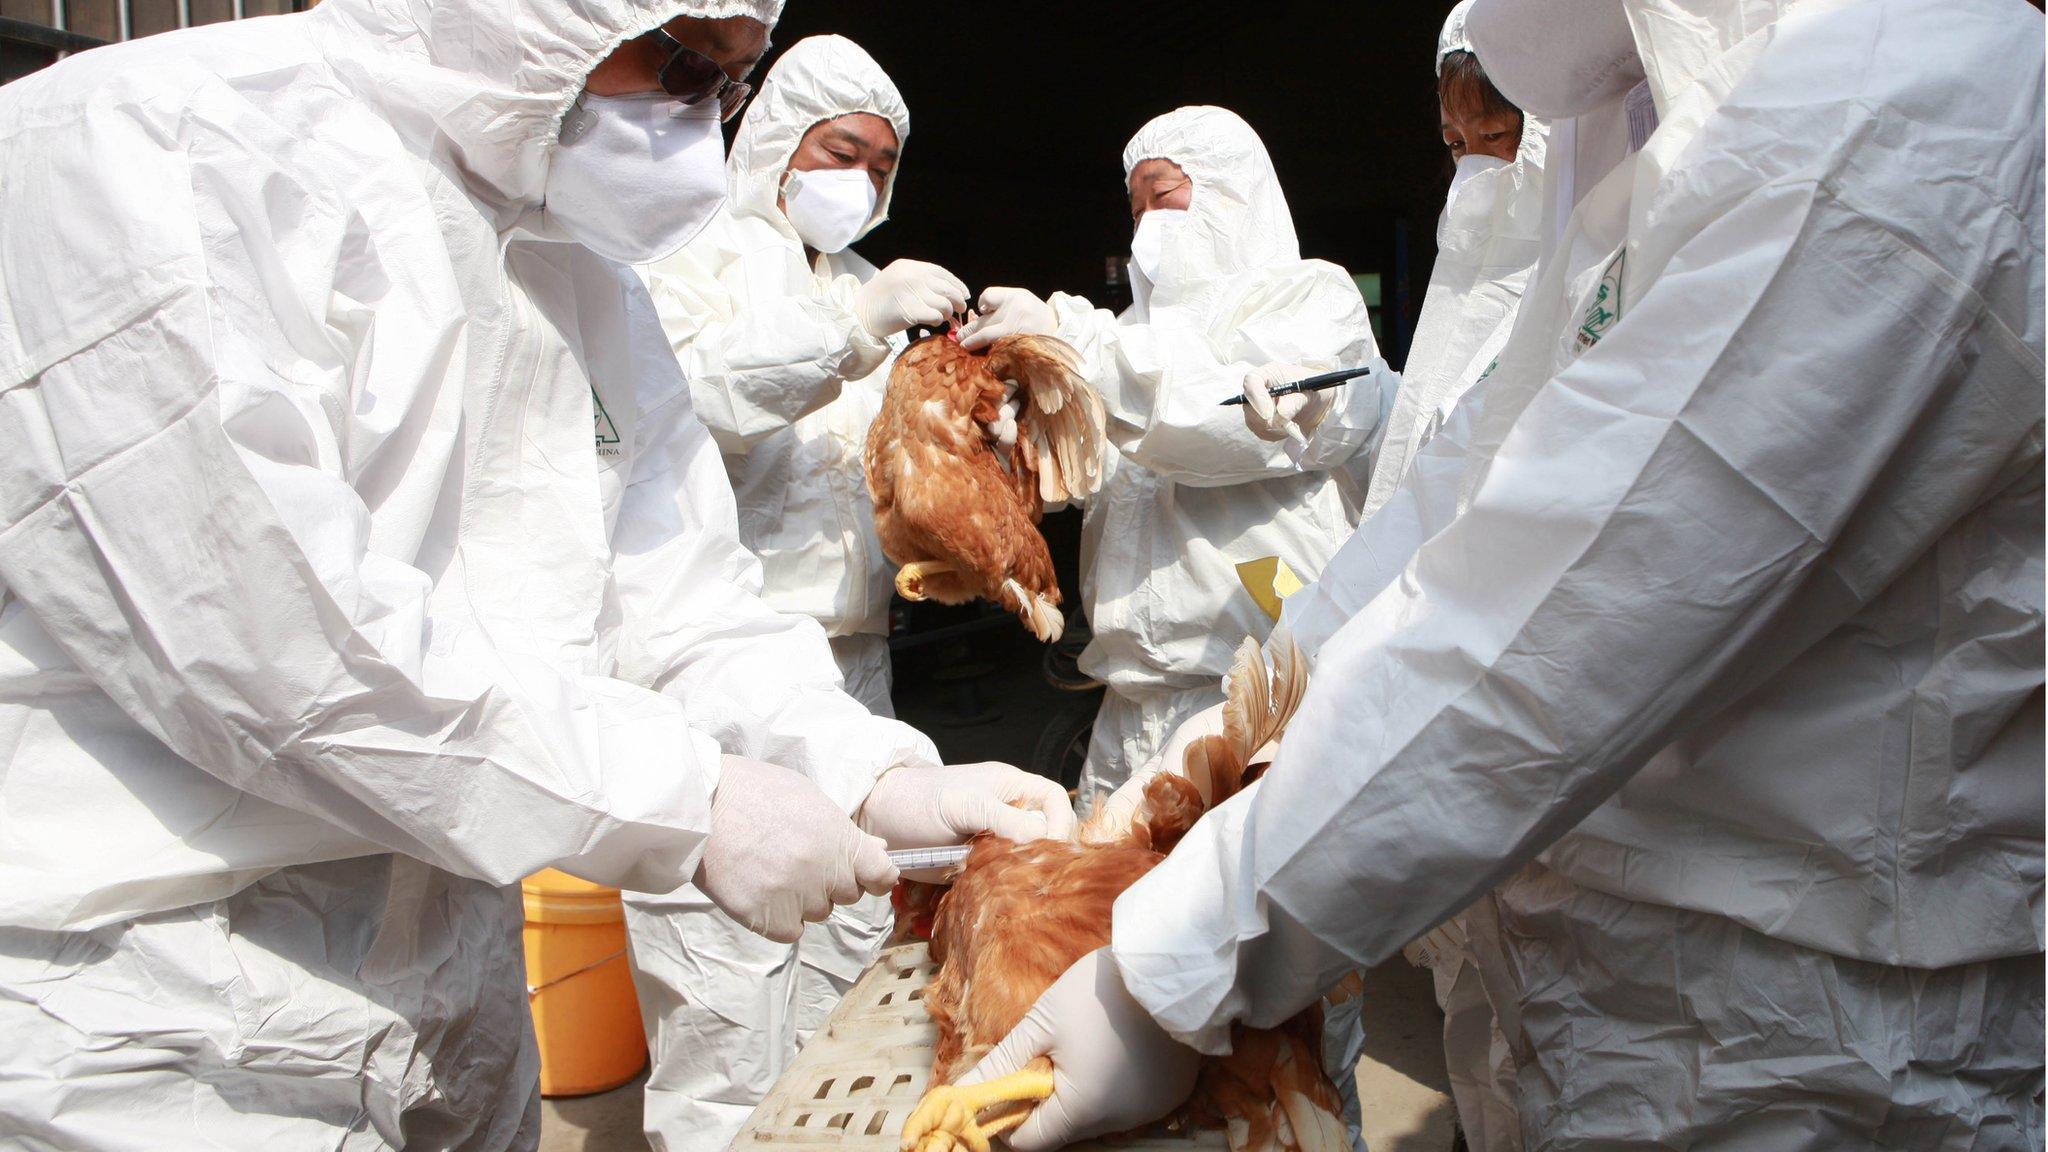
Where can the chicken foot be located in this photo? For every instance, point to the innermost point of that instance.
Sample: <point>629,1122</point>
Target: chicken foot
<point>911,577</point>
<point>948,1118</point>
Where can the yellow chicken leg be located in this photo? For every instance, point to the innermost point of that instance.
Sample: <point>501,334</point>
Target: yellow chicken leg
<point>911,577</point>
<point>948,1118</point>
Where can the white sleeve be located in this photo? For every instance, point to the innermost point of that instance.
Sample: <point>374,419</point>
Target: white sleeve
<point>761,339</point>
<point>1164,387</point>
<point>176,512</point>
<point>1697,499</point>
<point>761,683</point>
<point>1383,543</point>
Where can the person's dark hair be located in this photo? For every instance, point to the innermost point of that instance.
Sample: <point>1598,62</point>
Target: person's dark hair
<point>1463,87</point>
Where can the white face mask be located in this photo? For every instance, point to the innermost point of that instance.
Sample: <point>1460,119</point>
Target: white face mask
<point>1148,243</point>
<point>1468,167</point>
<point>828,207</point>
<point>635,177</point>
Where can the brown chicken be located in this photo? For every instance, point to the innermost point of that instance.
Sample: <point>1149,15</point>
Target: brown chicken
<point>967,450</point>
<point>1018,915</point>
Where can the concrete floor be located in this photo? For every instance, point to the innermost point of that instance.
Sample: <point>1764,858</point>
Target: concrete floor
<point>1401,1084</point>
<point>998,713</point>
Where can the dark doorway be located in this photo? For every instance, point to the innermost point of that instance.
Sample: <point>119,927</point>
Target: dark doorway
<point>1019,115</point>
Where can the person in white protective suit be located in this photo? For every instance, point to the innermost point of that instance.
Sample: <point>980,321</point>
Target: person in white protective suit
<point>1487,241</point>
<point>324,614</point>
<point>1723,651</point>
<point>1221,290</point>
<point>1488,238</point>
<point>784,332</point>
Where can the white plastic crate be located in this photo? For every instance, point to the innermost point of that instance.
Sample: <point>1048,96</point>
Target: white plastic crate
<point>861,1075</point>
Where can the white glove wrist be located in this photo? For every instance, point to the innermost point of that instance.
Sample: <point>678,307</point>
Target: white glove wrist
<point>781,854</point>
<point>927,806</point>
<point>1114,1068</point>
<point>907,293</point>
<point>1007,312</point>
<point>1275,418</point>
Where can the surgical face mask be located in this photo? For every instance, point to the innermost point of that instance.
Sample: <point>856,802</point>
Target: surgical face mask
<point>1468,167</point>
<point>828,207</point>
<point>635,177</point>
<point>1148,243</point>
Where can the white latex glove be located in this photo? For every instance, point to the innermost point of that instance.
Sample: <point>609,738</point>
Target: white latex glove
<point>1007,312</point>
<point>908,292</point>
<point>781,852</point>
<point>1288,417</point>
<point>1113,1068</point>
<point>1113,818</point>
<point>931,807</point>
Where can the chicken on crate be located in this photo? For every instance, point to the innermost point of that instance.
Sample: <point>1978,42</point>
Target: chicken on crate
<point>967,451</point>
<point>1017,915</point>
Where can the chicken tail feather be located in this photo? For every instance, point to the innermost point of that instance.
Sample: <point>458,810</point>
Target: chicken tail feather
<point>1039,612</point>
<point>1261,699</point>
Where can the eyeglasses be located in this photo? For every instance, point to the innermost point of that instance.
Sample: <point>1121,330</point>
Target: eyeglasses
<point>692,77</point>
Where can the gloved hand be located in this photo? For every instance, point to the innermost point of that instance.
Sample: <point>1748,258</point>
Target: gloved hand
<point>1007,312</point>
<point>929,807</point>
<point>781,852</point>
<point>908,292</point>
<point>1113,1068</point>
<point>1114,817</point>
<point>1275,419</point>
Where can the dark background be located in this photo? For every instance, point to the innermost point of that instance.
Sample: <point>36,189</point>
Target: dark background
<point>1019,114</point>
<point>1013,172</point>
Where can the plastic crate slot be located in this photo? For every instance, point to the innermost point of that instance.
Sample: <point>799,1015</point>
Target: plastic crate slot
<point>851,1087</point>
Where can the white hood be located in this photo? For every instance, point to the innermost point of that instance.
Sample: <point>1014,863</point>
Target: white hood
<point>482,87</point>
<point>1555,58</point>
<point>1452,38</point>
<point>1238,220</point>
<point>1564,57</point>
<point>1678,40</point>
<point>819,78</point>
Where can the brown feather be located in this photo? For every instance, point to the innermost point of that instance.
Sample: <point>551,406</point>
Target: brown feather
<point>945,492</point>
<point>1018,915</point>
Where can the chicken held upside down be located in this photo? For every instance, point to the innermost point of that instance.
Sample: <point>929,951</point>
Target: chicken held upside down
<point>967,450</point>
<point>1018,915</point>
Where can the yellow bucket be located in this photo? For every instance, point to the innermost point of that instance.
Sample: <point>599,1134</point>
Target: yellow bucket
<point>585,1015</point>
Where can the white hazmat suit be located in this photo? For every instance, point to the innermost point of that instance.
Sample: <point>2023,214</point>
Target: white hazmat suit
<point>1191,493</point>
<point>787,379</point>
<point>324,616</point>
<point>1728,658</point>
